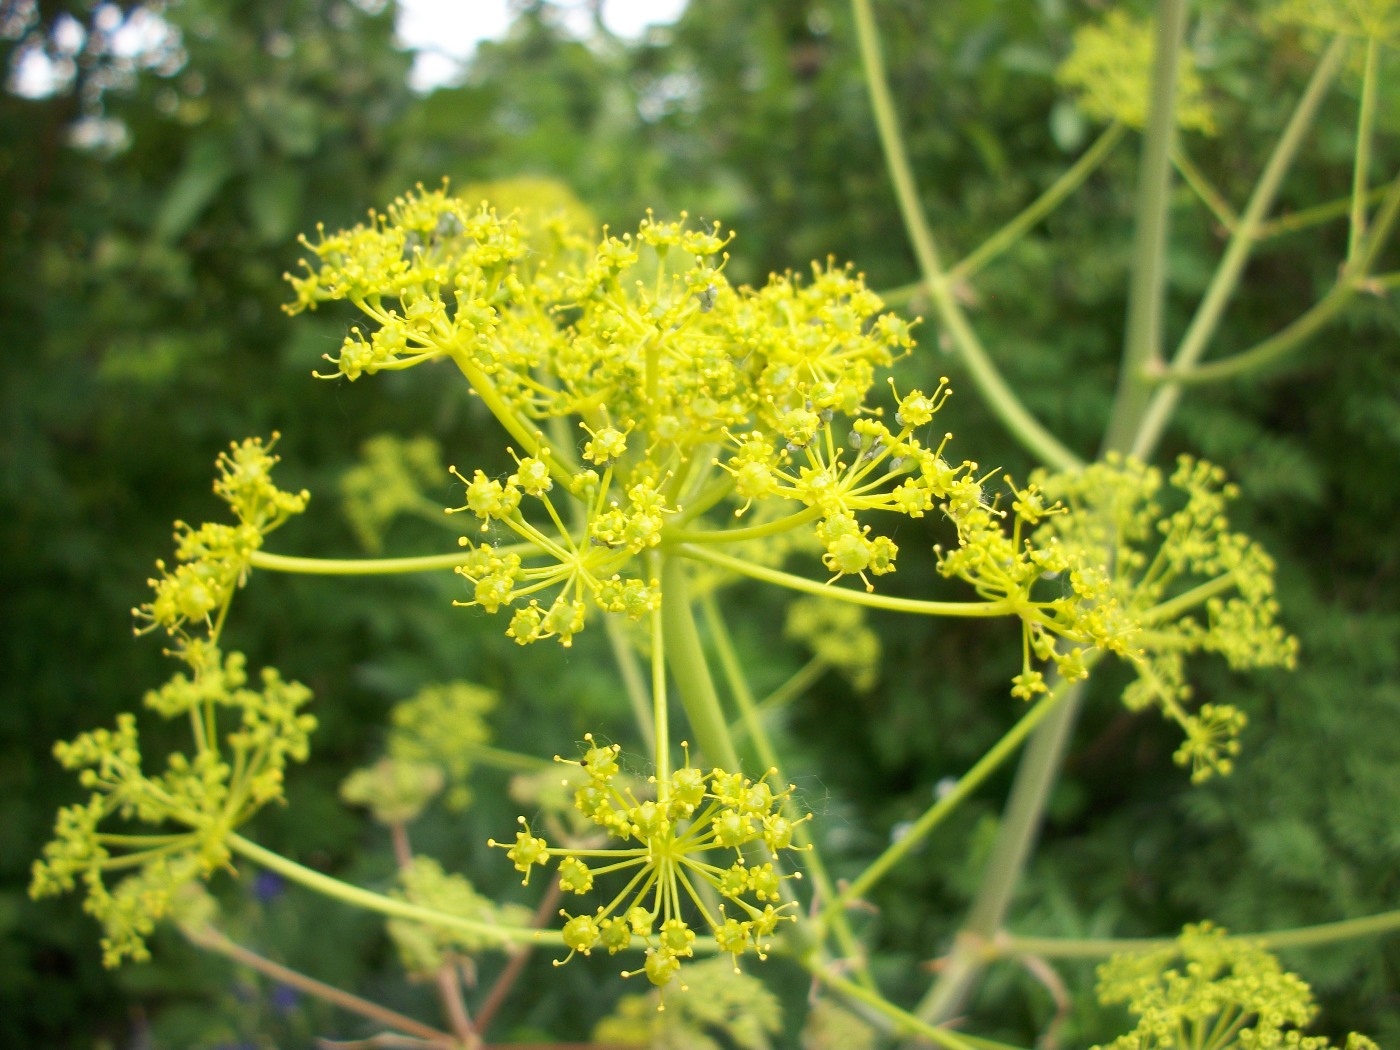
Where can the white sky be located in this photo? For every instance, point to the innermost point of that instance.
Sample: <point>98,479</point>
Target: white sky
<point>445,32</point>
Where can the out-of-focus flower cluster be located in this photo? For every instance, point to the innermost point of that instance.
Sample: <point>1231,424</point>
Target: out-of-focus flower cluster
<point>1209,991</point>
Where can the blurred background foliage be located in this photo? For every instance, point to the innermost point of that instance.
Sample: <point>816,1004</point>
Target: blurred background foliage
<point>149,207</point>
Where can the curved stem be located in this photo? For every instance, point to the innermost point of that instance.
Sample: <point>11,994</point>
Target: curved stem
<point>904,1023</point>
<point>843,594</point>
<point>998,395</point>
<point>752,532</point>
<point>1210,196</point>
<point>378,902</point>
<point>1042,206</point>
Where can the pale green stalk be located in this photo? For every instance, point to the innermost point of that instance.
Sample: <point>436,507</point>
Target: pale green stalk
<point>1040,765</point>
<point>1354,279</point>
<point>1142,422</point>
<point>999,397</point>
<point>1314,215</point>
<point>1006,607</point>
<point>802,679</point>
<point>367,566</point>
<point>1142,343</point>
<point>688,666</point>
<point>1365,132</point>
<point>988,764</point>
<point>378,902</point>
<point>627,666</point>
<point>660,707</point>
<point>1381,925</point>
<point>1062,187</point>
<point>1210,196</point>
<point>903,1022</point>
<point>768,756</point>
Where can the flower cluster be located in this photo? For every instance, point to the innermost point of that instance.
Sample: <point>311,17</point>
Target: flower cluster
<point>641,390</point>
<point>1110,71</point>
<point>1212,992</point>
<point>1167,550</point>
<point>192,807</point>
<point>212,560</point>
<point>696,839</point>
<point>198,801</point>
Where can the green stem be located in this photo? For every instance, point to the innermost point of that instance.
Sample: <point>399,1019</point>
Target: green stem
<point>1354,279</point>
<point>851,948</point>
<point>627,666</point>
<point>1164,612</point>
<point>1010,852</point>
<point>905,1023</point>
<point>966,785</point>
<point>1380,925</point>
<point>378,902</point>
<point>670,534</point>
<point>1365,131</point>
<point>998,395</point>
<point>1143,430</point>
<point>499,758</point>
<point>1142,344</point>
<point>660,708</point>
<point>364,566</point>
<point>1212,198</point>
<point>1314,215</point>
<point>1042,206</point>
<point>984,610</point>
<point>210,939</point>
<point>688,666</point>
<point>799,683</point>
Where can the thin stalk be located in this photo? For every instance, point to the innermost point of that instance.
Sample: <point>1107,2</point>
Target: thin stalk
<point>802,679</point>
<point>1142,344</point>
<point>1153,414</point>
<point>364,566</point>
<point>1381,925</point>
<point>984,610</point>
<point>378,902</point>
<point>210,939</point>
<point>660,711</point>
<point>768,755</point>
<point>671,534</point>
<point>904,1023</point>
<point>1365,132</point>
<point>1210,196</point>
<point>988,764</point>
<point>633,682</point>
<point>688,665</point>
<point>1296,334</point>
<point>1314,215</point>
<point>998,395</point>
<point>1016,837</point>
<point>1042,206</point>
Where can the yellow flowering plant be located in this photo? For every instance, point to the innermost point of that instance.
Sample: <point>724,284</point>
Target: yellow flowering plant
<point>671,433</point>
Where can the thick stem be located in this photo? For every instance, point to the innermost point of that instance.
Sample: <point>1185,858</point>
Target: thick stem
<point>1365,131</point>
<point>689,668</point>
<point>1142,345</point>
<point>1016,836</point>
<point>1153,414</point>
